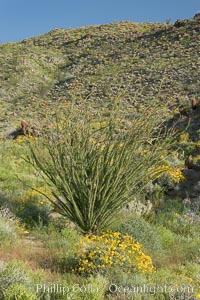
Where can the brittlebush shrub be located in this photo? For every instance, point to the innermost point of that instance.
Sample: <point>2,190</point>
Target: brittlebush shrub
<point>101,253</point>
<point>169,174</point>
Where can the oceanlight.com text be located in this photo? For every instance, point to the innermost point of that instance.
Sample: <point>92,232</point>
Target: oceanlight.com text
<point>150,289</point>
<point>114,289</point>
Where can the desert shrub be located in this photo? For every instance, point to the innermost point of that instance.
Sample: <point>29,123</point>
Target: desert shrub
<point>124,279</point>
<point>184,284</point>
<point>70,235</point>
<point>168,238</point>
<point>95,167</point>
<point>3,199</point>
<point>143,232</point>
<point>15,179</point>
<point>163,283</point>
<point>173,217</point>
<point>166,212</point>
<point>101,253</point>
<point>172,285</point>
<point>19,292</point>
<point>184,224</point>
<point>17,273</point>
<point>187,248</point>
<point>10,225</point>
<point>171,205</point>
<point>155,194</point>
<point>32,207</point>
<point>94,289</point>
<point>7,231</point>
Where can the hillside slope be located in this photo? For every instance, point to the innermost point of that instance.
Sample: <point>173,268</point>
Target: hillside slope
<point>98,64</point>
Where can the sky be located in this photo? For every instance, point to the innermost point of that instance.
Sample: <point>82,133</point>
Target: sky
<point>21,19</point>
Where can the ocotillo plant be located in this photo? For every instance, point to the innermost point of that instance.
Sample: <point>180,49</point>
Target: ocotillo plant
<point>94,165</point>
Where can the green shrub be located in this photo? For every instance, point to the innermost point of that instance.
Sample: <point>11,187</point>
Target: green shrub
<point>187,248</point>
<point>143,232</point>
<point>32,209</point>
<point>168,238</point>
<point>180,223</point>
<point>70,235</point>
<point>184,225</point>
<point>19,292</point>
<point>28,205</point>
<point>158,285</point>
<point>7,231</point>
<point>8,225</point>
<point>155,286</point>
<point>99,286</point>
<point>17,273</point>
<point>122,278</point>
<point>14,273</point>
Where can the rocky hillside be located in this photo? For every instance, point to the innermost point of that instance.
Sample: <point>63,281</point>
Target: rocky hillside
<point>136,61</point>
<point>99,64</point>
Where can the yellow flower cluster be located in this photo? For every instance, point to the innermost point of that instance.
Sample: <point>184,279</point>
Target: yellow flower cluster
<point>36,196</point>
<point>99,253</point>
<point>23,139</point>
<point>99,125</point>
<point>19,228</point>
<point>184,137</point>
<point>174,174</point>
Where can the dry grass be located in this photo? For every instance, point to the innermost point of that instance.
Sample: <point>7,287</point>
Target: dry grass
<point>24,249</point>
